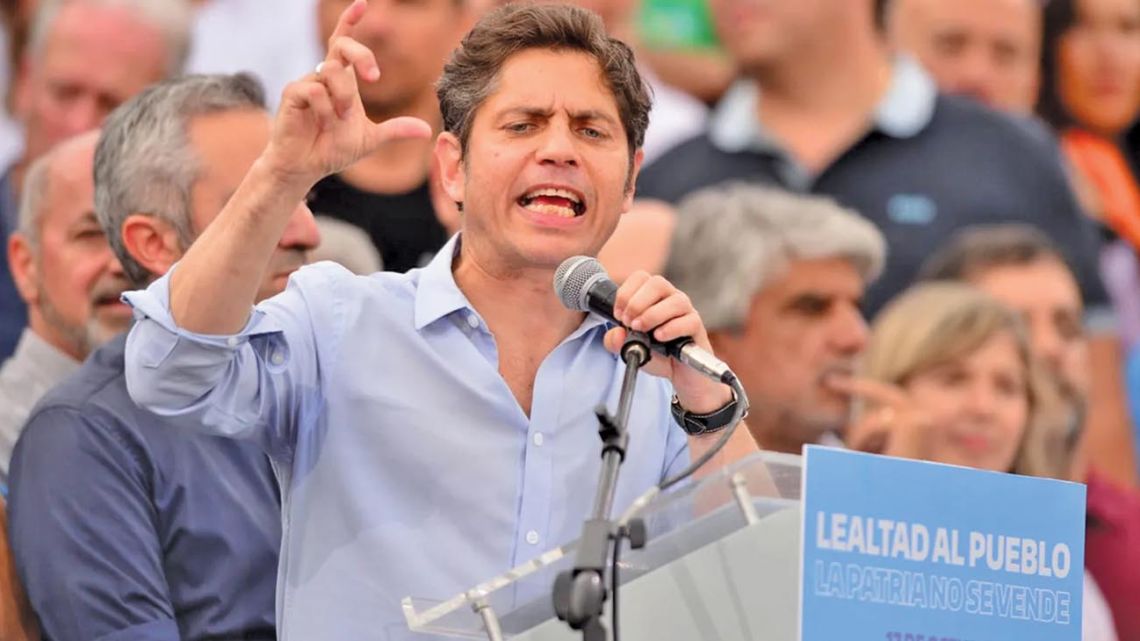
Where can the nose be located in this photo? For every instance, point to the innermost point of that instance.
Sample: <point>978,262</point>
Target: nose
<point>982,398</point>
<point>1048,345</point>
<point>301,232</point>
<point>976,76</point>
<point>556,146</point>
<point>376,21</point>
<point>849,331</point>
<point>81,116</point>
<point>1116,53</point>
<point>114,267</point>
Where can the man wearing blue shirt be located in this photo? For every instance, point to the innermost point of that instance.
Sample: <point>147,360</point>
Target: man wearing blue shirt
<point>434,428</point>
<point>124,527</point>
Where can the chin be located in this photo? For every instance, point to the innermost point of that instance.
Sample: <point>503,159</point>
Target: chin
<point>101,333</point>
<point>831,414</point>
<point>818,422</point>
<point>552,251</point>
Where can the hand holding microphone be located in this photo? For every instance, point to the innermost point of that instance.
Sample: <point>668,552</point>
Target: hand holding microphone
<point>652,305</point>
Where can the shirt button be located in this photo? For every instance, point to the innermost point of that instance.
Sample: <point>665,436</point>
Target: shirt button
<point>473,320</point>
<point>538,439</point>
<point>232,341</point>
<point>277,358</point>
<point>532,537</point>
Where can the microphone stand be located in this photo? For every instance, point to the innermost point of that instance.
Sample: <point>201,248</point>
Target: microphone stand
<point>580,594</point>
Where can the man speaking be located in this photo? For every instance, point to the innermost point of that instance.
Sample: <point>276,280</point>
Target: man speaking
<point>435,428</point>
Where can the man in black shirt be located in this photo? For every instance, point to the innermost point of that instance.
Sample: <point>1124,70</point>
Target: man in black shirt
<point>823,108</point>
<point>403,226</point>
<point>387,194</point>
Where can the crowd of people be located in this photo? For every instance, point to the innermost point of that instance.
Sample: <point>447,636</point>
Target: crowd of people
<point>278,335</point>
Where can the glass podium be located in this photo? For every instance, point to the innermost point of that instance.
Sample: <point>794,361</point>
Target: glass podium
<point>722,562</point>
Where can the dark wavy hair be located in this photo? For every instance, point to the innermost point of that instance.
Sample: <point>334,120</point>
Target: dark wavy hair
<point>469,76</point>
<point>1058,16</point>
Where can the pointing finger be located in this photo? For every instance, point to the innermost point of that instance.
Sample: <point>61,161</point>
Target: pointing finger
<point>348,19</point>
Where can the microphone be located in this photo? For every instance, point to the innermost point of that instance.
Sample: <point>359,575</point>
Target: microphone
<point>583,285</point>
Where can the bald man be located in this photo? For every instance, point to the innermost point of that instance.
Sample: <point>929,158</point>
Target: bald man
<point>985,49</point>
<point>66,273</point>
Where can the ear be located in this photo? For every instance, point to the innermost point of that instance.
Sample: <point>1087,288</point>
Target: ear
<point>631,183</point>
<point>152,242</point>
<point>445,210</point>
<point>449,162</point>
<point>22,264</point>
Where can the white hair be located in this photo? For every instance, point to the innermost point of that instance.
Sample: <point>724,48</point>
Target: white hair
<point>37,182</point>
<point>172,18</point>
<point>145,162</point>
<point>733,238</point>
<point>347,245</point>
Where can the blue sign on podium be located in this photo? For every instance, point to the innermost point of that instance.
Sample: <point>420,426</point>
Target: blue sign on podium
<point>901,550</point>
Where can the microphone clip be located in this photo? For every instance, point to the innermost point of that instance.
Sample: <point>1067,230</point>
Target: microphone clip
<point>635,351</point>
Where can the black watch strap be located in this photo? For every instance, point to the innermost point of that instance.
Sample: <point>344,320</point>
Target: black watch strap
<point>697,424</point>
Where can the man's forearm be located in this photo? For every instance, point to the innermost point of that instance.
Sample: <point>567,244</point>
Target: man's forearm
<point>216,282</point>
<point>740,446</point>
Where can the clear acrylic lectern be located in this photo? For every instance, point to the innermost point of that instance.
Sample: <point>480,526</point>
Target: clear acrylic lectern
<point>722,564</point>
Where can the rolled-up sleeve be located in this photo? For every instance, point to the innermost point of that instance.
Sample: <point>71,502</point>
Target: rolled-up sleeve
<point>257,384</point>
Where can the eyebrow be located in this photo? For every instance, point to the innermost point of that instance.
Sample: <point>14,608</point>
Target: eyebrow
<point>801,298</point>
<point>819,294</point>
<point>537,112</point>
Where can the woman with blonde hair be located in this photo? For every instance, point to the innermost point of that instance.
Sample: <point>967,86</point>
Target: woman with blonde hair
<point>949,376</point>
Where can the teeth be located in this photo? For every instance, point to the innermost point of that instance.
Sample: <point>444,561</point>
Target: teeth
<point>559,193</point>
<point>553,210</point>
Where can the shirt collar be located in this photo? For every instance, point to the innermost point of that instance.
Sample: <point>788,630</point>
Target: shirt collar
<point>37,353</point>
<point>908,106</point>
<point>905,110</point>
<point>437,294</point>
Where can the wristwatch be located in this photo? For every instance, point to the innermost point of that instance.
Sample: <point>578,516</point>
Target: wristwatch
<point>697,424</point>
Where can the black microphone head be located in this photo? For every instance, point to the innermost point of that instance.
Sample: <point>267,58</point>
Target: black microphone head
<point>574,278</point>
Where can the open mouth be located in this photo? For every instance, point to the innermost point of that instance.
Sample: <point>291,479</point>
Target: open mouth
<point>111,305</point>
<point>109,299</point>
<point>553,202</point>
<point>840,371</point>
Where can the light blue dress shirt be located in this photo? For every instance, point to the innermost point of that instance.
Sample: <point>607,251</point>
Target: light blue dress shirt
<point>407,466</point>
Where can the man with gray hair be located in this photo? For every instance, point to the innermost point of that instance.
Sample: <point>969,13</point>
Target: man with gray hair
<point>153,532</point>
<point>83,58</point>
<point>778,279</point>
<point>69,278</point>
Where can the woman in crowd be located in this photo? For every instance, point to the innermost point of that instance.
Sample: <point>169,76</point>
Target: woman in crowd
<point>949,377</point>
<point>1091,95</point>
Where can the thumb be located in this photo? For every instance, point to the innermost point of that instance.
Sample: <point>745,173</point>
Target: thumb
<point>868,435</point>
<point>399,128</point>
<point>614,339</point>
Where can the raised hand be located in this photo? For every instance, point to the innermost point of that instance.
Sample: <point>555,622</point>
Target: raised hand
<point>321,127</point>
<point>890,424</point>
